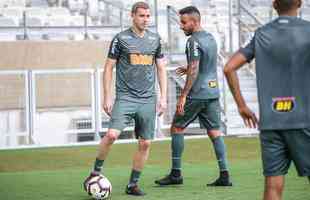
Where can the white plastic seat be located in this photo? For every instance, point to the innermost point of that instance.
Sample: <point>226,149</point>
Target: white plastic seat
<point>8,22</point>
<point>56,11</point>
<point>34,21</point>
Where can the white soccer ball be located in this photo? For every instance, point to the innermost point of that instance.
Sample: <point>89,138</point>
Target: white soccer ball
<point>99,187</point>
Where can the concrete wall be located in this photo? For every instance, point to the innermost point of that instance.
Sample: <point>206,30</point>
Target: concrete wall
<point>52,54</point>
<point>61,90</point>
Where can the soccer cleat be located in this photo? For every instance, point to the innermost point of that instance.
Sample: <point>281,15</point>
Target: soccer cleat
<point>170,180</point>
<point>134,190</point>
<point>91,175</point>
<point>220,182</point>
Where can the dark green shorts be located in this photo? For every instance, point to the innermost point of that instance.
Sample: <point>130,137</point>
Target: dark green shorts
<point>281,147</point>
<point>143,114</point>
<point>207,111</point>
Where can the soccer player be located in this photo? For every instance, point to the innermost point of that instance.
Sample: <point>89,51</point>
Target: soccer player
<point>135,51</point>
<point>282,52</point>
<point>199,98</point>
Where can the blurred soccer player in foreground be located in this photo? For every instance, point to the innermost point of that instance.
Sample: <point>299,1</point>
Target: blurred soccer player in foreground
<point>282,52</point>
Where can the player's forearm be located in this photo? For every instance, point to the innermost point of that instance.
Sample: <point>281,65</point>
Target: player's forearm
<point>192,73</point>
<point>233,82</point>
<point>230,69</point>
<point>107,82</point>
<point>162,78</point>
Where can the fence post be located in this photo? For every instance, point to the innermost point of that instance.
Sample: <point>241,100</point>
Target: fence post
<point>25,37</point>
<point>121,14</point>
<point>169,34</point>
<point>230,28</point>
<point>31,105</point>
<point>156,14</point>
<point>239,23</point>
<point>97,96</point>
<point>86,35</point>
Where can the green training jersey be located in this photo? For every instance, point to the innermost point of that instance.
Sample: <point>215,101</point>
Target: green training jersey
<point>282,52</point>
<point>135,66</point>
<point>202,46</point>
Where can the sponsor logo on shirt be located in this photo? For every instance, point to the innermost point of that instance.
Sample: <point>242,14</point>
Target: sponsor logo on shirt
<point>141,59</point>
<point>283,104</point>
<point>212,84</point>
<point>196,50</point>
<point>152,38</point>
<point>114,45</point>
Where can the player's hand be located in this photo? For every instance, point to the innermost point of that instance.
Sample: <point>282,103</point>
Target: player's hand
<point>249,117</point>
<point>107,106</point>
<point>161,106</point>
<point>181,70</point>
<point>180,105</point>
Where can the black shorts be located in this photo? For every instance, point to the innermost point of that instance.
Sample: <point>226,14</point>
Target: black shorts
<point>207,111</point>
<point>281,147</point>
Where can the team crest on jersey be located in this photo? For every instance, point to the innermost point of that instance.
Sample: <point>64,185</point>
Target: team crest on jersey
<point>141,59</point>
<point>283,104</point>
<point>212,84</point>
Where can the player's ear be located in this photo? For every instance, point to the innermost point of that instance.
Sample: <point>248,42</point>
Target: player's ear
<point>299,3</point>
<point>275,4</point>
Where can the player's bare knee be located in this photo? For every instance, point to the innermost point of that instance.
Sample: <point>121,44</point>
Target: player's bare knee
<point>144,145</point>
<point>111,137</point>
<point>176,130</point>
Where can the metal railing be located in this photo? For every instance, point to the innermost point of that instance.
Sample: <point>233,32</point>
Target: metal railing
<point>35,129</point>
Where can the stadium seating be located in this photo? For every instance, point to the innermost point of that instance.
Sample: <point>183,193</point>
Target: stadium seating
<point>34,21</point>
<point>75,5</point>
<point>58,11</point>
<point>8,22</point>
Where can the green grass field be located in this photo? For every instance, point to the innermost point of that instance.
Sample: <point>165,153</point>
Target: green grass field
<point>57,173</point>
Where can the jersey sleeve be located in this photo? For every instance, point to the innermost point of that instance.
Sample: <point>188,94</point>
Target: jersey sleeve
<point>193,50</point>
<point>159,54</point>
<point>114,50</point>
<point>249,50</point>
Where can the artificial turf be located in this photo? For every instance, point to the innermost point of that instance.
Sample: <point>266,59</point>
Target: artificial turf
<point>57,173</point>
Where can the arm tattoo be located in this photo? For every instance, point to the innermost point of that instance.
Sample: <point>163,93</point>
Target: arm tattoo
<point>192,73</point>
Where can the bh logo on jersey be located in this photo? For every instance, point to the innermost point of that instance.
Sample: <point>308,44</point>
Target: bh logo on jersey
<point>141,59</point>
<point>212,84</point>
<point>283,104</point>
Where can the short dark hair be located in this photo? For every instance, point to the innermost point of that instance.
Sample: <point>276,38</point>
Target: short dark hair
<point>189,10</point>
<point>286,5</point>
<point>139,4</point>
